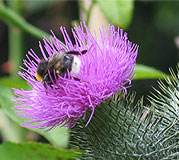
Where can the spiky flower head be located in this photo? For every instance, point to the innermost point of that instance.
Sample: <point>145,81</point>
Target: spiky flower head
<point>106,68</point>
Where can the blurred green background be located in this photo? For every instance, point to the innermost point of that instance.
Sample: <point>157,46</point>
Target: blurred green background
<point>154,26</point>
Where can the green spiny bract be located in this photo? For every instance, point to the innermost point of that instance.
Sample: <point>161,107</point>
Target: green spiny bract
<point>121,129</point>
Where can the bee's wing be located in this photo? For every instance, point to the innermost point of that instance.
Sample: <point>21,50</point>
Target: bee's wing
<point>76,52</point>
<point>55,58</point>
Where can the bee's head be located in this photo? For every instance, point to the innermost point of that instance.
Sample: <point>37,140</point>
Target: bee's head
<point>67,61</point>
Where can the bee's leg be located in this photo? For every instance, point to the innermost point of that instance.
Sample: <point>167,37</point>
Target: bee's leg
<point>45,80</point>
<point>45,85</point>
<point>76,79</point>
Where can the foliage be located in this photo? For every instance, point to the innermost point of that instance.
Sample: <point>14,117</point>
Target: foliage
<point>34,151</point>
<point>118,12</point>
<point>57,137</point>
<point>146,72</point>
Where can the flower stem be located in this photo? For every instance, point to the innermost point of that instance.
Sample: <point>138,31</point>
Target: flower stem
<point>11,131</point>
<point>15,37</point>
<point>9,16</point>
<point>17,24</point>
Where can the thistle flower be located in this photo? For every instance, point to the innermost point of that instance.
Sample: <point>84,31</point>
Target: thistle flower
<point>106,68</point>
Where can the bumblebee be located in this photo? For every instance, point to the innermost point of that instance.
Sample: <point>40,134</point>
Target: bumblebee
<point>58,64</point>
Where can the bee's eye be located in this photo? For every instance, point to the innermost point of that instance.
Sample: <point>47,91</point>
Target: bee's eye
<point>67,61</point>
<point>66,57</point>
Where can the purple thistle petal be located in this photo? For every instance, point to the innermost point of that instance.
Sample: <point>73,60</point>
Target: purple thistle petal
<point>105,69</point>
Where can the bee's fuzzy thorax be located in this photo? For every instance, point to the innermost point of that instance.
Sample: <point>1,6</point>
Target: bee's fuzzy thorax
<point>75,68</point>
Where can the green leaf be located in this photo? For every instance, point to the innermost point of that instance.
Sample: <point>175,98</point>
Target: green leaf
<point>10,131</point>
<point>6,103</point>
<point>58,136</point>
<point>146,72</point>
<point>34,151</point>
<point>118,12</point>
<point>14,83</point>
